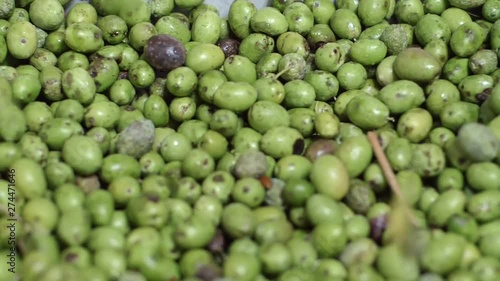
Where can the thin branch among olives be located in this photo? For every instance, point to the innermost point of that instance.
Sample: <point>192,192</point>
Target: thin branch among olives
<point>389,175</point>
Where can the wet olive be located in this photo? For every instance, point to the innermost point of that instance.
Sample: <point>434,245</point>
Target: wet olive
<point>164,52</point>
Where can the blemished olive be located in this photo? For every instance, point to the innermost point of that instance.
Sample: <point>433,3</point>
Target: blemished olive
<point>164,52</point>
<point>229,46</point>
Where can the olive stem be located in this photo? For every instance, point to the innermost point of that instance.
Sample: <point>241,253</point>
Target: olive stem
<point>277,75</point>
<point>389,173</point>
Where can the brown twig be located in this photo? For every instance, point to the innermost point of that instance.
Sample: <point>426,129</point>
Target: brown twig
<point>389,173</point>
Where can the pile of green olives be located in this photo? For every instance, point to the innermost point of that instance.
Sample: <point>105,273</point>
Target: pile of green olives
<point>163,140</point>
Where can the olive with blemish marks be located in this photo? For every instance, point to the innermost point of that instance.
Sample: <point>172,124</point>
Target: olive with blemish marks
<point>302,119</point>
<point>292,42</point>
<point>300,18</point>
<point>401,96</point>
<point>439,50</point>
<point>239,16</point>
<point>268,65</point>
<point>255,46</point>
<point>282,141</point>
<point>475,88</point>
<point>477,142</point>
<point>456,69</point>
<point>399,153</point>
<point>198,164</point>
<point>415,124</point>
<point>360,197</point>
<point>428,160</point>
<point>483,62</point>
<point>455,114</point>
<point>441,136</point>
<point>229,46</point>
<point>239,69</point>
<point>164,52</point>
<point>397,37</point>
<point>319,35</point>
<point>467,39</point>
<point>136,139</point>
<point>147,211</point>
<point>431,27</point>
<point>340,105</point>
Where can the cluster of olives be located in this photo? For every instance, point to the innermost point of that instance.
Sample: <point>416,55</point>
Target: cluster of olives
<point>158,140</point>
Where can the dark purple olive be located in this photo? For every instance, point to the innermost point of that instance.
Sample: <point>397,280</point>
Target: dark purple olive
<point>229,46</point>
<point>164,52</point>
<point>377,228</point>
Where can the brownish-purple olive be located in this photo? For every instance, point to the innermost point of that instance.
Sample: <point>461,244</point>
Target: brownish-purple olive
<point>319,148</point>
<point>218,243</point>
<point>229,46</point>
<point>377,227</point>
<point>123,75</point>
<point>164,52</point>
<point>209,272</point>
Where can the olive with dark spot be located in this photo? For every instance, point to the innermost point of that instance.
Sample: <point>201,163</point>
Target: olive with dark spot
<point>377,227</point>
<point>218,243</point>
<point>298,146</point>
<point>229,46</point>
<point>164,52</point>
<point>209,272</point>
<point>316,45</point>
